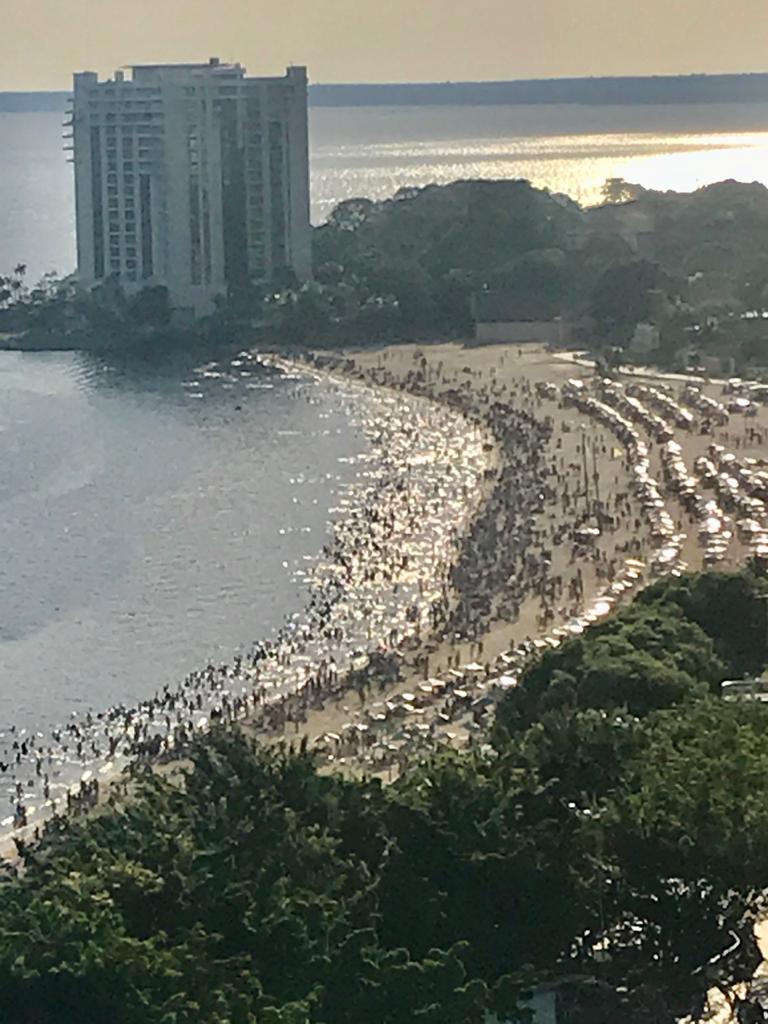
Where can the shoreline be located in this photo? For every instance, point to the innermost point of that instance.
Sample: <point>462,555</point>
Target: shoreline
<point>225,683</point>
<point>529,517</point>
<point>646,532</point>
<point>426,657</point>
<point>492,648</point>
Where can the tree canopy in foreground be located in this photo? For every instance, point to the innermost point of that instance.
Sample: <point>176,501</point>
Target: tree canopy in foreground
<point>614,836</point>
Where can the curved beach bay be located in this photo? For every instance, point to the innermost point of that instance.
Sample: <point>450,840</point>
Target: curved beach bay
<point>146,519</point>
<point>229,550</point>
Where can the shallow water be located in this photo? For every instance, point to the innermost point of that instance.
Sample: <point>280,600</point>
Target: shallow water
<point>148,526</point>
<point>396,526</point>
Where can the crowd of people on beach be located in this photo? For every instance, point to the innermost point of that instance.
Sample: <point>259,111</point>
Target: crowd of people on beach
<point>619,520</point>
<point>476,499</point>
<point>507,554</point>
<point>376,586</point>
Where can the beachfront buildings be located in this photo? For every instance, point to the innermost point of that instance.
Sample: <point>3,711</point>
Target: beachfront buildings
<point>191,176</point>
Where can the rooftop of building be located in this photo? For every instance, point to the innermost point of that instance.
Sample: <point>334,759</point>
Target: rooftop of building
<point>213,66</point>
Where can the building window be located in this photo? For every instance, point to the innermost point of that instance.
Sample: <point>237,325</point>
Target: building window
<point>97,204</point>
<point>145,203</point>
<point>195,231</point>
<point>277,176</point>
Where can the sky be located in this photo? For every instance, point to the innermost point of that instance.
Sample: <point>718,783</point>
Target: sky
<point>43,41</point>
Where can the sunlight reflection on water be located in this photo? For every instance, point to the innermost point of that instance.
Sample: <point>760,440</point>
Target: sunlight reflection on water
<point>575,164</point>
<point>374,151</point>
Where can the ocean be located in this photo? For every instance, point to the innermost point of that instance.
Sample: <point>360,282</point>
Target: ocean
<point>149,526</point>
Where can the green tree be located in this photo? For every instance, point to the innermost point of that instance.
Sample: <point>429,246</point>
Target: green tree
<point>732,610</point>
<point>617,190</point>
<point>623,297</point>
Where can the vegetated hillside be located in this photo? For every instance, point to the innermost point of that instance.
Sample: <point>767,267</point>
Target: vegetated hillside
<point>614,835</point>
<point>691,264</point>
<point>706,253</point>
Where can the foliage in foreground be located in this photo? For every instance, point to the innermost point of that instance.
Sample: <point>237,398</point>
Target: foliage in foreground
<point>607,837</point>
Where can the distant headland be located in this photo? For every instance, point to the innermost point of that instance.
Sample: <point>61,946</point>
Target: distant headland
<point>623,91</point>
<point>747,88</point>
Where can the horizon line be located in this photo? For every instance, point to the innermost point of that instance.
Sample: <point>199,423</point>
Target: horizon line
<point>477,81</point>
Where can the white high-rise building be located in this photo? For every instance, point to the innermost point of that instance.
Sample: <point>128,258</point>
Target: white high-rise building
<point>191,176</point>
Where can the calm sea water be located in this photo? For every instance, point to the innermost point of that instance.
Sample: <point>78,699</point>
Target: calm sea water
<point>141,526</point>
<point>148,526</point>
<point>373,151</point>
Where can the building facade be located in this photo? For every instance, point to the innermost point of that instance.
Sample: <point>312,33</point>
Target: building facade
<point>191,176</point>
<point>515,332</point>
<point>504,316</point>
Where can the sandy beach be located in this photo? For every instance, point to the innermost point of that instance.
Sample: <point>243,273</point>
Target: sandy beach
<point>469,368</point>
<point>576,441</point>
<point>376,587</point>
<point>566,495</point>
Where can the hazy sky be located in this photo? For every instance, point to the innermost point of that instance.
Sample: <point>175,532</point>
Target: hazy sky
<point>43,41</point>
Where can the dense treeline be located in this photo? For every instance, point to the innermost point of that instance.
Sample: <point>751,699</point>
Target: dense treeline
<point>694,266</point>
<point>691,268</point>
<point>614,835</point>
<point>410,265</point>
<point>679,640</point>
<point>53,315</point>
<point>613,91</point>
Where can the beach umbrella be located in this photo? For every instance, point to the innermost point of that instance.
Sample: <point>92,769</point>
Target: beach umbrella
<point>506,681</point>
<point>602,607</point>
